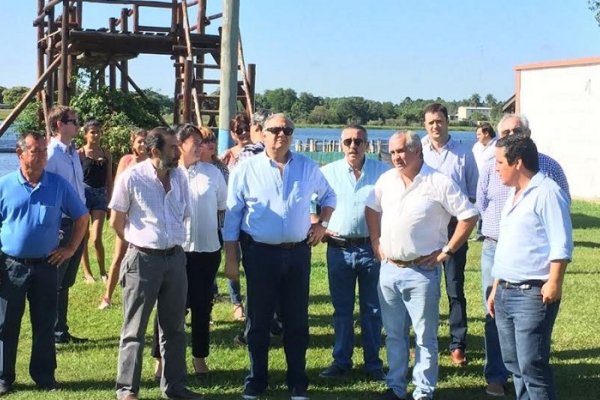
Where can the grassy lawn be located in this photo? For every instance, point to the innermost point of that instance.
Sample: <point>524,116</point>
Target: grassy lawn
<point>88,371</point>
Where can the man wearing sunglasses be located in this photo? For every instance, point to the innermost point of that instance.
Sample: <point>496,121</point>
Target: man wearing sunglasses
<point>491,198</point>
<point>64,161</point>
<point>350,257</point>
<point>268,213</point>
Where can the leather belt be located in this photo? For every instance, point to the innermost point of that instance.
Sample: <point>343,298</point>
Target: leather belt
<point>521,285</point>
<point>156,252</point>
<point>342,242</point>
<point>28,261</point>
<point>406,264</point>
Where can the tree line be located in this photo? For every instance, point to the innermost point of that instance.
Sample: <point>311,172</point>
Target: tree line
<point>305,108</point>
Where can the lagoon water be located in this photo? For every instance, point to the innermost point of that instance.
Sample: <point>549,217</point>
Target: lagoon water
<point>9,162</point>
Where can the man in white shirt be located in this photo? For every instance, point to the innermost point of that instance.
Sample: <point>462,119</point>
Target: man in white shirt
<point>484,149</point>
<point>407,215</point>
<point>149,206</point>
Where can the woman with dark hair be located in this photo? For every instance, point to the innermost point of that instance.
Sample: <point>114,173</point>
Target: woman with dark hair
<point>239,129</point>
<point>96,163</point>
<point>138,154</point>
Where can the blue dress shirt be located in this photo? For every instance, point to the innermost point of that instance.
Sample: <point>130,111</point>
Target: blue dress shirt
<point>30,216</point>
<point>271,207</point>
<point>348,219</point>
<point>492,193</point>
<point>64,161</point>
<point>535,230</point>
<point>456,161</point>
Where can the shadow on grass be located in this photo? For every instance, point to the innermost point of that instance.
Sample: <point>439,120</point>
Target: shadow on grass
<point>584,221</point>
<point>590,245</point>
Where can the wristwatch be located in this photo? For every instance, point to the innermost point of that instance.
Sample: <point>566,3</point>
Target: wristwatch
<point>324,224</point>
<point>446,250</point>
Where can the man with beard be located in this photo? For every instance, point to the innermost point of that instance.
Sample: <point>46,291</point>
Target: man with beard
<point>149,205</point>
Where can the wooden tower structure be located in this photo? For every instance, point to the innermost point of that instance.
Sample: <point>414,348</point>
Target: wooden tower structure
<point>64,45</point>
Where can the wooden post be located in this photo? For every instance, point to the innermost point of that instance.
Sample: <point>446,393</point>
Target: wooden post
<point>177,93</point>
<point>252,82</point>
<point>187,90</point>
<point>136,18</point>
<point>124,64</point>
<point>112,69</point>
<point>200,23</point>
<point>229,64</point>
<point>63,73</point>
<point>50,84</point>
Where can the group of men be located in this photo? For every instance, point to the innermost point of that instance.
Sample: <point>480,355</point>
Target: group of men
<point>394,231</point>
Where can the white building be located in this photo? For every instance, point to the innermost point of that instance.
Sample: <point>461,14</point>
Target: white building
<point>561,99</point>
<point>465,112</point>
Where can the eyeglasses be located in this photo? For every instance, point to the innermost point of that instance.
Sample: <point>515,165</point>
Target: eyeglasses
<point>287,131</point>
<point>356,141</point>
<point>73,121</point>
<point>515,131</point>
<point>242,129</point>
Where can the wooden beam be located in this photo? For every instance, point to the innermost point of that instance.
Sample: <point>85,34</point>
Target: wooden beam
<point>28,96</point>
<point>63,75</point>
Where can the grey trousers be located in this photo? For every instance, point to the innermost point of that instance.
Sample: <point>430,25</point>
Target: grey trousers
<point>146,280</point>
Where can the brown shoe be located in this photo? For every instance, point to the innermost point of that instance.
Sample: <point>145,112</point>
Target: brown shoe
<point>238,312</point>
<point>494,389</point>
<point>458,357</point>
<point>200,367</point>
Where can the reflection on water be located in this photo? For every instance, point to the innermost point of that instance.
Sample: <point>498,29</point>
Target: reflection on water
<point>8,163</point>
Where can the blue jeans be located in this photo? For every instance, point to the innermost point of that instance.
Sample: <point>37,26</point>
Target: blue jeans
<point>276,276</point>
<point>494,370</point>
<point>525,329</point>
<point>405,295</point>
<point>454,273</point>
<point>345,266</point>
<point>37,283</point>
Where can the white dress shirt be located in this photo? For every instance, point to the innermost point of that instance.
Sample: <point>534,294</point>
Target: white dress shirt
<point>415,219</point>
<point>155,219</point>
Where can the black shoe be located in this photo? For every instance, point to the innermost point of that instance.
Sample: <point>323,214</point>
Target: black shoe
<point>376,375</point>
<point>183,394</point>
<point>299,393</point>
<point>333,371</point>
<point>390,395</point>
<point>47,387</point>
<point>68,338</point>
<point>250,394</point>
<point>5,389</point>
<point>240,340</point>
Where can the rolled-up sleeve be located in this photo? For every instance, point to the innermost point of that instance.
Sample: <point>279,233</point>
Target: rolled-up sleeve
<point>554,212</point>
<point>326,196</point>
<point>234,211</point>
<point>120,200</point>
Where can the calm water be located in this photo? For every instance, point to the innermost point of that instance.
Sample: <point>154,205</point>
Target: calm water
<point>9,162</point>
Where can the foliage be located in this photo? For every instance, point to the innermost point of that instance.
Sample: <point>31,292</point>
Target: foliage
<point>594,6</point>
<point>119,112</point>
<point>13,95</point>
<point>30,118</point>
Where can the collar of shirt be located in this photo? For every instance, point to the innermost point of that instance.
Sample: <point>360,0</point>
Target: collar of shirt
<point>427,144</point>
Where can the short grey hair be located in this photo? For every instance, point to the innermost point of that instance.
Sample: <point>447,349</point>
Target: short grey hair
<point>413,140</point>
<point>35,135</point>
<point>522,118</point>
<point>288,121</point>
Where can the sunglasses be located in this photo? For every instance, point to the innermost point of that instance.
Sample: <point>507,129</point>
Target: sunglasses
<point>73,121</point>
<point>515,131</point>
<point>287,131</point>
<point>356,141</point>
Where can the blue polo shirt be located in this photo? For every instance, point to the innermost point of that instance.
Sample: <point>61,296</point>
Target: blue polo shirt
<point>30,216</point>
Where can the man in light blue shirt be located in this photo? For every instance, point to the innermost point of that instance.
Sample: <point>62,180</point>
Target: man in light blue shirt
<point>491,198</point>
<point>350,256</point>
<point>64,161</point>
<point>529,273</point>
<point>268,213</point>
<point>456,161</point>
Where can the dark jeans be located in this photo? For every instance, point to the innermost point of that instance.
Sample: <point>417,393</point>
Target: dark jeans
<point>201,270</point>
<point>67,272</point>
<point>525,326</point>
<point>37,283</point>
<point>454,274</point>
<point>275,275</point>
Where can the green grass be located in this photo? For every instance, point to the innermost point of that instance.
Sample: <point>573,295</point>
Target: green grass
<point>4,112</point>
<point>88,371</point>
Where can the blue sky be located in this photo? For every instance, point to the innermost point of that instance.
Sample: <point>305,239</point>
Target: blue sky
<point>378,49</point>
